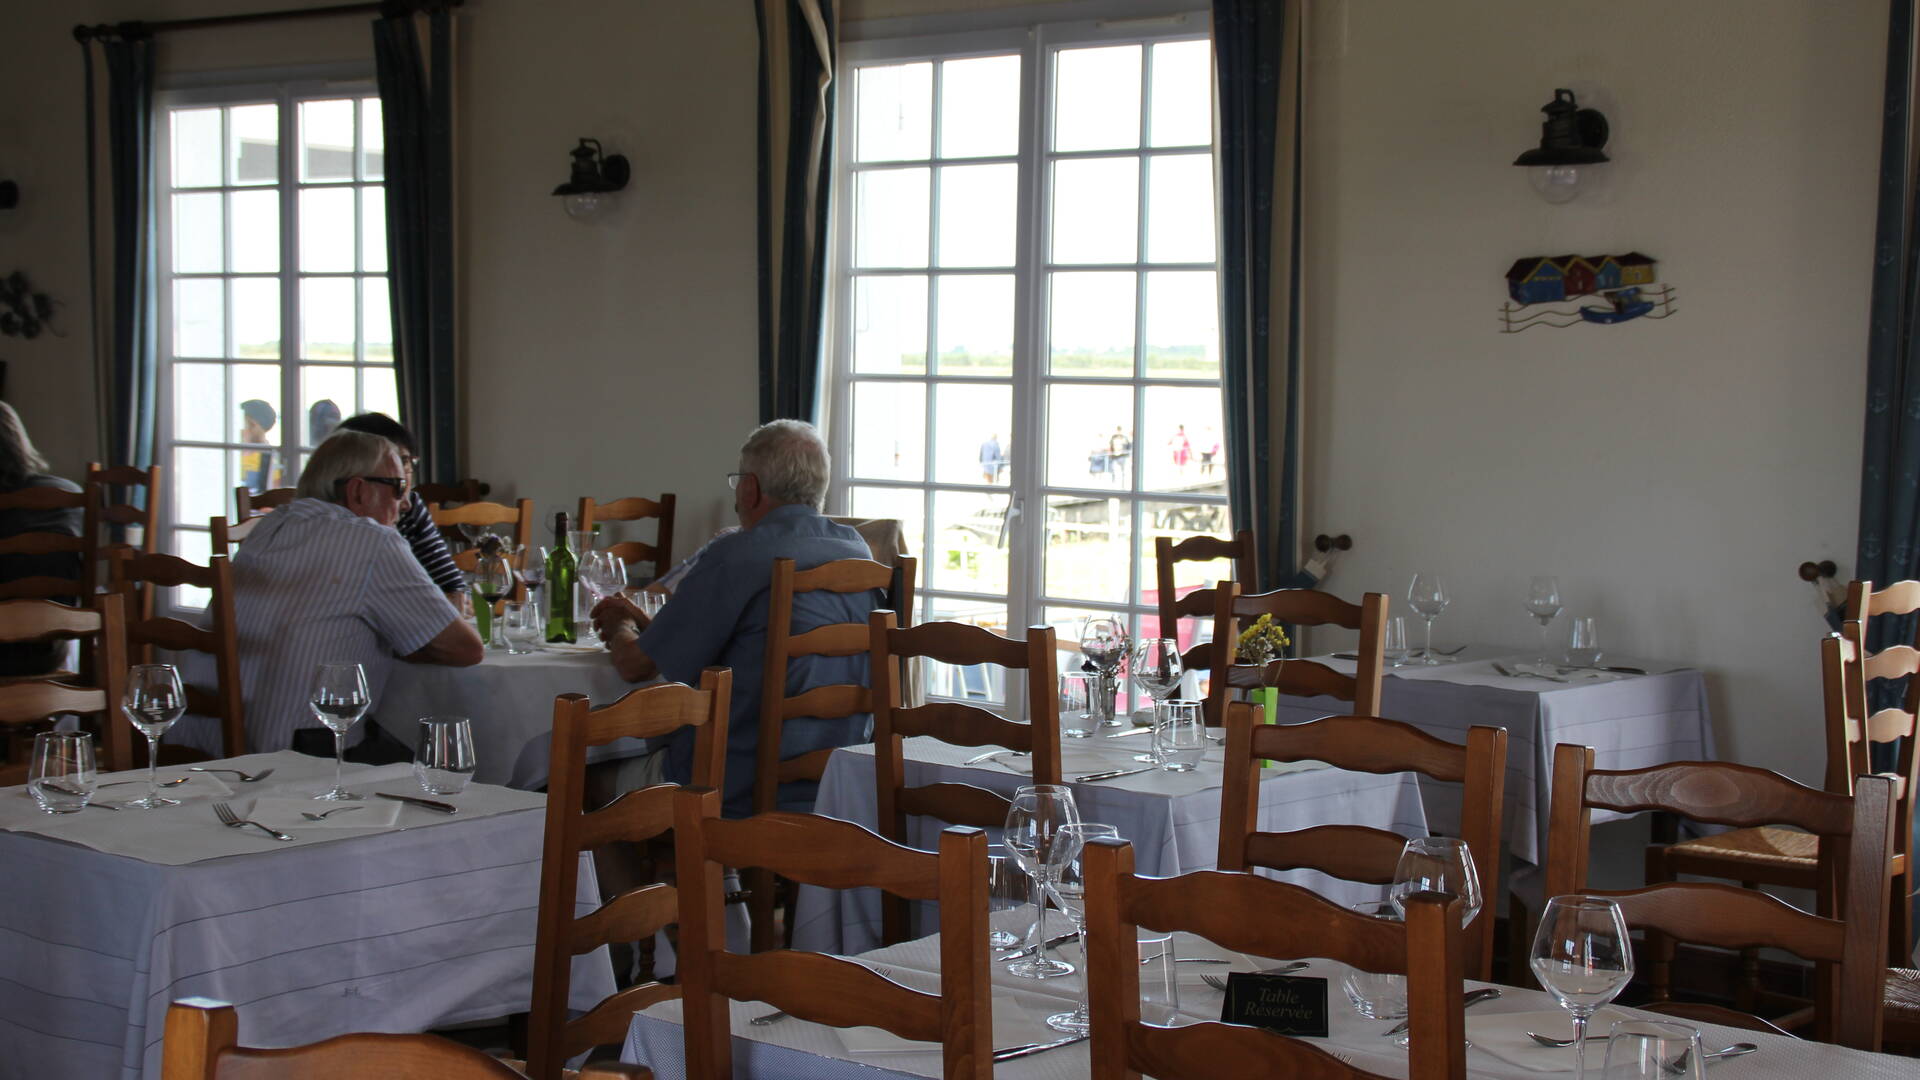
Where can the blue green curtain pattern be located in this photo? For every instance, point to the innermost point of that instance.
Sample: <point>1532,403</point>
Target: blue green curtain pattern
<point>798,43</point>
<point>416,106</point>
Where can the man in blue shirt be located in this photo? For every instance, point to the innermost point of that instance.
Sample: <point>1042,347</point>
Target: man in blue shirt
<point>718,617</point>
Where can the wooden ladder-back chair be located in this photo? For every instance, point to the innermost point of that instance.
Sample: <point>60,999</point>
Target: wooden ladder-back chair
<point>32,700</point>
<point>111,515</point>
<point>1856,833</point>
<point>659,553</point>
<point>247,505</point>
<point>466,491</point>
<point>519,515</point>
<point>815,986</point>
<point>821,702</point>
<point>1864,603</point>
<point>634,817</point>
<point>1198,603</point>
<point>1356,852</point>
<point>227,537</point>
<point>203,1043</point>
<point>85,577</point>
<point>955,723</point>
<point>1233,612</point>
<point>1269,919</point>
<point>135,577</point>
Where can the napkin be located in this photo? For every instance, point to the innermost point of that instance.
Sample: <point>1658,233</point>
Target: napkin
<point>1504,1035</point>
<point>1016,1020</point>
<point>285,814</point>
<point>567,647</point>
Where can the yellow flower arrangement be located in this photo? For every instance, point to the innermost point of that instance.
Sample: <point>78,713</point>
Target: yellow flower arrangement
<point>1262,641</point>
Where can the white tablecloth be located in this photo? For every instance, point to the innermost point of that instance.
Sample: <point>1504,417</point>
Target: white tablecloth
<point>797,1050</point>
<point>402,930</point>
<point>510,701</point>
<point>1631,721</point>
<point>1173,819</point>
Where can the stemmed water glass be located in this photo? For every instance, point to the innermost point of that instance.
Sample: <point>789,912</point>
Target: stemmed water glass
<point>1158,670</point>
<point>1543,603</point>
<point>1069,890</point>
<point>153,701</point>
<point>602,574</point>
<point>1103,640</point>
<point>1427,596</point>
<point>339,700</point>
<point>1037,838</point>
<point>1583,957</point>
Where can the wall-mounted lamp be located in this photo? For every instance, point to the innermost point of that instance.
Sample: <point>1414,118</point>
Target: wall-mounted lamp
<point>1571,143</point>
<point>596,179</point>
<point>9,194</point>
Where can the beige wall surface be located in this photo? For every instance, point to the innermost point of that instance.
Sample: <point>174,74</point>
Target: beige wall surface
<point>1672,473</point>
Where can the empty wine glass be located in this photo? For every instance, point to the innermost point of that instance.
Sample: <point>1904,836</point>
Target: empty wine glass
<point>1069,889</point>
<point>1427,596</point>
<point>1103,640</point>
<point>1158,670</point>
<point>1583,957</point>
<point>1036,837</point>
<point>339,700</point>
<point>1584,642</point>
<point>153,701</point>
<point>1543,603</point>
<point>1438,864</point>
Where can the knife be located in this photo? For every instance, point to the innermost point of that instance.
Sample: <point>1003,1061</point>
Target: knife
<point>424,804</point>
<point>1012,1052</point>
<point>1131,731</point>
<point>1091,777</point>
<point>1052,943</point>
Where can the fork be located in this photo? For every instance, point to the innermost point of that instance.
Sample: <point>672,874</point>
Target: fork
<point>245,777</point>
<point>1219,982</point>
<point>233,821</point>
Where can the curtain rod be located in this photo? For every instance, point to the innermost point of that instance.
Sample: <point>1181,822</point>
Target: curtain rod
<point>83,33</point>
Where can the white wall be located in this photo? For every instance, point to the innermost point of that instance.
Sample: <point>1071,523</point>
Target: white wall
<point>1672,473</point>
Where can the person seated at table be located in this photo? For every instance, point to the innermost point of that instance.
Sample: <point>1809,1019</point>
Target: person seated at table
<point>22,467</point>
<point>416,521</point>
<point>718,617</point>
<point>327,579</point>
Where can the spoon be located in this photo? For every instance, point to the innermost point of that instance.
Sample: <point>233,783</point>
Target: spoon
<point>324,814</point>
<point>1679,1064</point>
<point>1735,1050</point>
<point>245,777</point>
<point>164,783</point>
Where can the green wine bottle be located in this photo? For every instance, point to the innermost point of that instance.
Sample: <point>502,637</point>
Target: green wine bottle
<point>563,566</point>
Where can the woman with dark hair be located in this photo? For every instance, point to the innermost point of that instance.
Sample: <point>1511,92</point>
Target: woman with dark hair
<point>22,467</point>
<point>416,523</point>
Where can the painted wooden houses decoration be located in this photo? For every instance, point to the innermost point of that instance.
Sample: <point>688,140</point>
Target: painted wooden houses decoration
<point>1628,283</point>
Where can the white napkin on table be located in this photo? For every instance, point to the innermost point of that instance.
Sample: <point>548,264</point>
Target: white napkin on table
<point>1504,1035</point>
<point>285,813</point>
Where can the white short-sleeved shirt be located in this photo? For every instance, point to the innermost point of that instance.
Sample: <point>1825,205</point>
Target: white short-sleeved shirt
<point>315,584</point>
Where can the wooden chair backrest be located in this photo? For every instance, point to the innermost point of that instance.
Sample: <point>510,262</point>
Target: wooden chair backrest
<point>1233,612</point>
<point>227,537</point>
<point>103,479</point>
<point>1367,744</point>
<point>85,546</point>
<point>1855,838</point>
<point>635,816</point>
<point>247,505</point>
<point>635,508</point>
<point>519,515</point>
<point>203,1043</point>
<point>1847,669</point>
<point>135,577</point>
<point>466,491</point>
<point>815,986</point>
<point>32,699</point>
<point>1198,603</point>
<point>1262,918</point>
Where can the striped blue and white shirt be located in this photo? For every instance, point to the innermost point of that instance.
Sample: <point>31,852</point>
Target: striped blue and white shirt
<point>315,584</point>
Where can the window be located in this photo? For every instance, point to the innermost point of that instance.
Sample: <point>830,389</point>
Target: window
<point>274,320</point>
<point>1026,345</point>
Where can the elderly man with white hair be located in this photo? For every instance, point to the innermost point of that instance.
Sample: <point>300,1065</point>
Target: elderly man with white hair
<point>328,579</point>
<point>718,617</point>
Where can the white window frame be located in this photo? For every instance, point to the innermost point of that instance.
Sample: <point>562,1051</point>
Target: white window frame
<point>1026,600</point>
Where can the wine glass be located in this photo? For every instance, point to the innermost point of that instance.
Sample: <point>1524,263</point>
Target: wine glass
<point>1158,670</point>
<point>1103,640</point>
<point>1427,596</point>
<point>493,579</point>
<point>153,701</point>
<point>1438,864</point>
<point>339,700</point>
<point>1583,957</point>
<point>1069,889</point>
<point>1036,838</point>
<point>1543,603</point>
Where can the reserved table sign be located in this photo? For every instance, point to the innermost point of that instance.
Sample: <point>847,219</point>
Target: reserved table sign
<point>1283,1004</point>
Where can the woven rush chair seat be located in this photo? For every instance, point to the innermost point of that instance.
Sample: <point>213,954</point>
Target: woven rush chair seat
<point>1771,845</point>
<point>1900,1003</point>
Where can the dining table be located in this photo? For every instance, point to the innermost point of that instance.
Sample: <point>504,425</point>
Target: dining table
<point>382,916</point>
<point>1499,1048</point>
<point>1172,818</point>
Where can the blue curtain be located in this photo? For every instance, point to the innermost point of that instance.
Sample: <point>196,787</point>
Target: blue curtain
<point>416,107</point>
<point>1259,345</point>
<point>798,42</point>
<point>131,376</point>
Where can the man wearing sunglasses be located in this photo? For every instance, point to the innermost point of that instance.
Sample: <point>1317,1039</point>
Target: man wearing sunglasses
<point>327,579</point>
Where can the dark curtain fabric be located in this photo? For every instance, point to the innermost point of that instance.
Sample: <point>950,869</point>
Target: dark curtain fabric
<point>416,107</point>
<point>798,42</point>
<point>1259,286</point>
<point>129,370</point>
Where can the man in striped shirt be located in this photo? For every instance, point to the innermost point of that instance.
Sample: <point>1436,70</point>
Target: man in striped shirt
<point>327,579</point>
<point>416,521</point>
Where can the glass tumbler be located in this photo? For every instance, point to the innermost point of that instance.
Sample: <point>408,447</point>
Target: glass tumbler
<point>1008,890</point>
<point>522,626</point>
<point>63,776</point>
<point>1180,739</point>
<point>1078,690</point>
<point>1654,1050</point>
<point>443,759</point>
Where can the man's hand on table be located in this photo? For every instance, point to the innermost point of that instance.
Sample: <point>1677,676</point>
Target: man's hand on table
<point>620,622</point>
